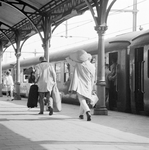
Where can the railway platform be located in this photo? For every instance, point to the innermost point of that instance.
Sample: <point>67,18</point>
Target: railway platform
<point>22,128</point>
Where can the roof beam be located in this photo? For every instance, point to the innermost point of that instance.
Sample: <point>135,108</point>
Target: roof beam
<point>7,38</point>
<point>22,11</point>
<point>59,11</point>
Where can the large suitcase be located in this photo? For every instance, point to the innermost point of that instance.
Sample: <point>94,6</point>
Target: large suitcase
<point>33,96</point>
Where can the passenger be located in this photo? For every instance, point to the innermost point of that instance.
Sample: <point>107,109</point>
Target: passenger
<point>112,78</point>
<point>83,79</point>
<point>9,85</point>
<point>45,77</point>
<point>31,75</point>
<point>113,67</point>
<point>107,72</point>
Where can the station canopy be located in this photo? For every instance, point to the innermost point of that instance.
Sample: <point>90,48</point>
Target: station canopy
<point>28,16</point>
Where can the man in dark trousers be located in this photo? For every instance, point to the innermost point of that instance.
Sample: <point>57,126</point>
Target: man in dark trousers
<point>45,77</point>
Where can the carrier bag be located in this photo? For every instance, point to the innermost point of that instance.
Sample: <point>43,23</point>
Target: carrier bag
<point>57,106</point>
<point>92,102</point>
<point>33,96</point>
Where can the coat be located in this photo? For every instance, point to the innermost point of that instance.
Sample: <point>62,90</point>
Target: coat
<point>83,77</point>
<point>9,80</point>
<point>113,75</point>
<point>46,76</point>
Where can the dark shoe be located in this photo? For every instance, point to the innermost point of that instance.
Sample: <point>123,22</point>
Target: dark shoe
<point>40,113</point>
<point>81,117</point>
<point>88,114</point>
<point>50,110</point>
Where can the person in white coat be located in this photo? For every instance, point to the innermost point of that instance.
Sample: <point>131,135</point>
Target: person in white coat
<point>45,77</point>
<point>9,85</point>
<point>83,79</point>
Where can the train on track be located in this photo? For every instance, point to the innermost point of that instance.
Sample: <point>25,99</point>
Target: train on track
<point>131,50</point>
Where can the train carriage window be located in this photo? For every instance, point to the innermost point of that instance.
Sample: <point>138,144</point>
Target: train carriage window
<point>25,76</point>
<point>58,71</point>
<point>94,62</point>
<point>29,75</point>
<point>66,71</point>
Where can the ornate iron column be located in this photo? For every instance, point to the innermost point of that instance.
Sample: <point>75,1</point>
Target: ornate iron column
<point>18,54</point>
<point>1,57</point>
<point>100,108</point>
<point>47,35</point>
<point>100,19</point>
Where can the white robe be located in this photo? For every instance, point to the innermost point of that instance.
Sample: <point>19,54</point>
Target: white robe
<point>83,77</point>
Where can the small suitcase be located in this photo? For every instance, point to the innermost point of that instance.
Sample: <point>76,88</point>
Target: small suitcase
<point>33,96</point>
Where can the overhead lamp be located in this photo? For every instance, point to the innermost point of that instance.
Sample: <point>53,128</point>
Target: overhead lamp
<point>13,65</point>
<point>31,33</point>
<point>8,43</point>
<point>71,14</point>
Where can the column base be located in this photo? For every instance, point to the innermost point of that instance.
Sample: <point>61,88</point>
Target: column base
<point>100,111</point>
<point>17,91</point>
<point>17,97</point>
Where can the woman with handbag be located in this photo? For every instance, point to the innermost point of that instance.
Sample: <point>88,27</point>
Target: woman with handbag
<point>83,79</point>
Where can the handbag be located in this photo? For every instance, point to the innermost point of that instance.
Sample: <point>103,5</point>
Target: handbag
<point>94,99</point>
<point>57,106</point>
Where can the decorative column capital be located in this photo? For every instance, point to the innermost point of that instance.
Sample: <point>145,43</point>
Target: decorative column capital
<point>100,82</point>
<point>18,54</point>
<point>101,28</point>
<point>43,45</point>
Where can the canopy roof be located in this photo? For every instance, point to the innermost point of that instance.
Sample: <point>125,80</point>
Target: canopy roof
<point>27,16</point>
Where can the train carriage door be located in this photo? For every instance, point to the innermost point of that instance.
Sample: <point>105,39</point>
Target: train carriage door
<point>123,100</point>
<point>146,79</point>
<point>119,94</point>
<point>137,79</point>
<point>112,81</point>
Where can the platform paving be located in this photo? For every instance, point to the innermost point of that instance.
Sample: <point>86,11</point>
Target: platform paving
<point>22,128</point>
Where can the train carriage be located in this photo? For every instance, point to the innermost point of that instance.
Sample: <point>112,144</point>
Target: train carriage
<point>139,73</point>
<point>131,51</point>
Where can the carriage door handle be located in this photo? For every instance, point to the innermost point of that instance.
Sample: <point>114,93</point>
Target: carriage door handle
<point>142,76</point>
<point>116,78</point>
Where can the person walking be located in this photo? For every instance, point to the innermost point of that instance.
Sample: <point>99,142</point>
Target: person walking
<point>83,79</point>
<point>9,85</point>
<point>45,77</point>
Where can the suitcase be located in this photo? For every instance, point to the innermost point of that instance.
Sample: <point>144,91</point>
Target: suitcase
<point>33,96</point>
